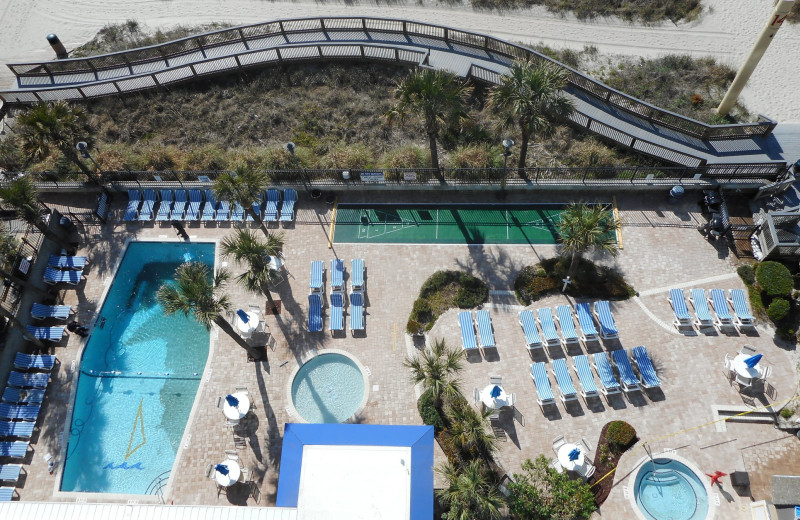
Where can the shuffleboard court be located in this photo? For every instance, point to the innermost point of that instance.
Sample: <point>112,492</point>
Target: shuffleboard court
<point>447,224</point>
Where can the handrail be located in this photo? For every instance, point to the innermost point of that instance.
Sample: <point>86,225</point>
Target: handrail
<point>139,58</point>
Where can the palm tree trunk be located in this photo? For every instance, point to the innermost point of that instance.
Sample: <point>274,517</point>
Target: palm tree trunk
<point>573,264</point>
<point>434,150</point>
<point>44,227</point>
<point>523,153</point>
<point>272,305</point>
<point>22,329</point>
<point>73,156</point>
<point>224,325</point>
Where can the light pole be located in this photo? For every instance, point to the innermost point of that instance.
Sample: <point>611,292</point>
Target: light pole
<point>507,144</point>
<point>83,148</point>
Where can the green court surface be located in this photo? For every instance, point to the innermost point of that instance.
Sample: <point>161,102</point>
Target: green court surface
<point>447,224</point>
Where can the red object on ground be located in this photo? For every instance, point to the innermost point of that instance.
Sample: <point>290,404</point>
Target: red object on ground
<point>716,476</point>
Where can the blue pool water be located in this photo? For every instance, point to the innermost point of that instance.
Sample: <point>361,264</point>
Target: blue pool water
<point>138,378</point>
<point>668,490</point>
<point>328,389</point>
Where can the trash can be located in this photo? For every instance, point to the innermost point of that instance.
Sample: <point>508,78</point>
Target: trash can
<point>676,193</point>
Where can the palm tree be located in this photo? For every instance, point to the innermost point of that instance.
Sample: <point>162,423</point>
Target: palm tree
<point>243,186</point>
<point>530,98</point>
<point>436,368</point>
<point>54,125</point>
<point>438,97</point>
<point>23,197</point>
<point>195,292</point>
<point>587,227</point>
<point>470,494</point>
<point>246,248</point>
<point>468,431</point>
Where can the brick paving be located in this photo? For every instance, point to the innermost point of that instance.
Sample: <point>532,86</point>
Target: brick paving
<point>661,248</point>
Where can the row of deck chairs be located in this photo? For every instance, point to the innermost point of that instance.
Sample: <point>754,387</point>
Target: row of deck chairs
<point>483,322</point>
<point>195,205</point>
<point>317,283</point>
<point>741,317</point>
<point>64,269</point>
<point>569,335</point>
<point>628,380</point>
<point>337,297</point>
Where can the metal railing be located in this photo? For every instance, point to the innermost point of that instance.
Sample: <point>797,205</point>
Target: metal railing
<point>216,51</point>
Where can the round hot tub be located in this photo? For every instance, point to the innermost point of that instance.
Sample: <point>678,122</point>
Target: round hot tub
<point>668,488</point>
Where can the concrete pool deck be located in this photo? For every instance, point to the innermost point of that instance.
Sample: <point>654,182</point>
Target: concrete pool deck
<point>662,248</point>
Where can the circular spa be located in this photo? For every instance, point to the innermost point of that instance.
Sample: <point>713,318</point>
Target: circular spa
<point>669,489</point>
<point>329,388</point>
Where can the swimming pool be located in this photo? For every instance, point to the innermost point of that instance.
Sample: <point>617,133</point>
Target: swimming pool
<point>329,388</point>
<point>668,489</point>
<point>138,378</point>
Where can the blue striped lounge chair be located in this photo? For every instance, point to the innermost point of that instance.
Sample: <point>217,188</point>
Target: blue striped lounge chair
<point>257,207</point>
<point>356,311</point>
<point>14,449</point>
<point>287,209</point>
<point>179,207</point>
<point>528,323</point>
<point>24,361</point>
<point>165,207</point>
<point>679,308</point>
<point>740,309</point>
<point>224,211</point>
<point>146,213</point>
<point>337,312</point>
<point>195,199</point>
<point>314,313</point>
<point>588,331</point>
<point>568,332</point>
<point>564,382</point>
<point>627,377</point>
<point>19,396</point>
<point>357,274</point>
<point>645,366</point>
<point>721,310</point>
<point>337,274</point>
<point>544,393</point>
<point>271,208</point>
<point>132,210</point>
<point>53,276</point>
<point>19,412</point>
<point>467,331</point>
<point>609,383</point>
<point>485,332</point>
<point>237,213</point>
<point>548,327</point>
<point>53,334</point>
<point>59,312</point>
<point>28,380</point>
<point>67,262</point>
<point>6,493</point>
<point>317,269</point>
<point>209,208</point>
<point>701,310</point>
<point>10,472</point>
<point>581,366</point>
<point>608,327</point>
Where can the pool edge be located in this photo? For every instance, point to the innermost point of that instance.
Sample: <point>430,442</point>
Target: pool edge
<point>634,475</point>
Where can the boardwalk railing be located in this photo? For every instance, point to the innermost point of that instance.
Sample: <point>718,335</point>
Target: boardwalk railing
<point>223,50</point>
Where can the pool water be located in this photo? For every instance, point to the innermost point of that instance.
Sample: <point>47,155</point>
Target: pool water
<point>328,389</point>
<point>668,490</point>
<point>138,378</point>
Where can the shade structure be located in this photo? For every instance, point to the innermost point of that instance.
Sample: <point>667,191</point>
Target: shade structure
<point>752,361</point>
<point>232,400</point>
<point>496,391</point>
<point>222,468</point>
<point>574,454</point>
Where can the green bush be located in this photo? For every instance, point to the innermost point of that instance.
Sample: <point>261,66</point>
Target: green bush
<point>589,281</point>
<point>787,412</point>
<point>441,291</point>
<point>414,327</point>
<point>355,156</point>
<point>746,273</point>
<point>411,156</point>
<point>428,412</point>
<point>778,309</point>
<point>472,292</point>
<point>774,279</point>
<point>471,156</point>
<point>620,434</point>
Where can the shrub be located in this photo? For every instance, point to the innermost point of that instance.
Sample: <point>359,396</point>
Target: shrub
<point>591,153</point>
<point>590,280</point>
<point>620,434</point>
<point>472,292</point>
<point>414,327</point>
<point>356,156</point>
<point>774,279</point>
<point>697,100</point>
<point>428,412</point>
<point>411,156</point>
<point>441,291</point>
<point>778,309</point>
<point>746,273</point>
<point>471,156</point>
<point>787,412</point>
<point>208,157</point>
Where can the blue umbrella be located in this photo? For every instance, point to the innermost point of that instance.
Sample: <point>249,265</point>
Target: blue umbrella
<point>232,401</point>
<point>752,361</point>
<point>222,469</point>
<point>496,391</point>
<point>574,454</point>
<point>242,315</point>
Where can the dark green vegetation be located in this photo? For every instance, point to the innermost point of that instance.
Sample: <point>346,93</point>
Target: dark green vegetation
<point>771,287</point>
<point>616,438</point>
<point>641,11</point>
<point>441,291</point>
<point>794,14</point>
<point>541,493</point>
<point>620,435</point>
<point>774,279</point>
<point>589,281</point>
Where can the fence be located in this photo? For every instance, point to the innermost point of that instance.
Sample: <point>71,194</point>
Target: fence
<point>19,266</point>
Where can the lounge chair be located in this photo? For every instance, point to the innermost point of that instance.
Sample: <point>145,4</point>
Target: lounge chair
<point>257,207</point>
<point>17,412</point>
<point>337,274</point>
<point>606,374</point>
<point>563,380</point>
<point>67,262</point>
<point>18,396</point>
<point>14,449</point>
<point>146,213</point>
<point>28,380</point>
<point>645,366</point>
<point>10,472</point>
<point>179,207</point>
<point>721,310</point>
<point>700,304</point>
<point>271,208</point>
<point>314,313</point>
<point>467,331</point>
<point>195,199</point>
<point>608,328</point>
<point>224,211</point>
<point>287,209</point>
<point>237,214</point>
<point>53,276</point>
<point>485,332</point>
<point>740,309</point>
<point>337,312</point>
<point>6,493</point>
<point>132,210</point>
<point>580,364</point>
<point>544,394</point>
<point>568,332</point>
<point>316,276</point>
<point>58,312</point>
<point>209,208</point>
<point>548,327</point>
<point>53,334</point>
<point>165,207</point>
<point>24,361</point>
<point>679,308</point>
<point>588,332</point>
<point>528,323</point>
<point>630,382</point>
<point>357,274</point>
<point>356,311</point>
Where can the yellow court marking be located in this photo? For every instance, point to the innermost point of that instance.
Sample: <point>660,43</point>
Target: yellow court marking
<point>333,223</point>
<point>616,219</point>
<point>139,419</point>
<point>394,345</point>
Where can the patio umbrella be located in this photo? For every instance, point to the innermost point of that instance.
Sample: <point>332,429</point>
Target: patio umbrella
<point>222,469</point>
<point>496,391</point>
<point>752,361</point>
<point>242,315</point>
<point>574,454</point>
<point>232,401</point>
